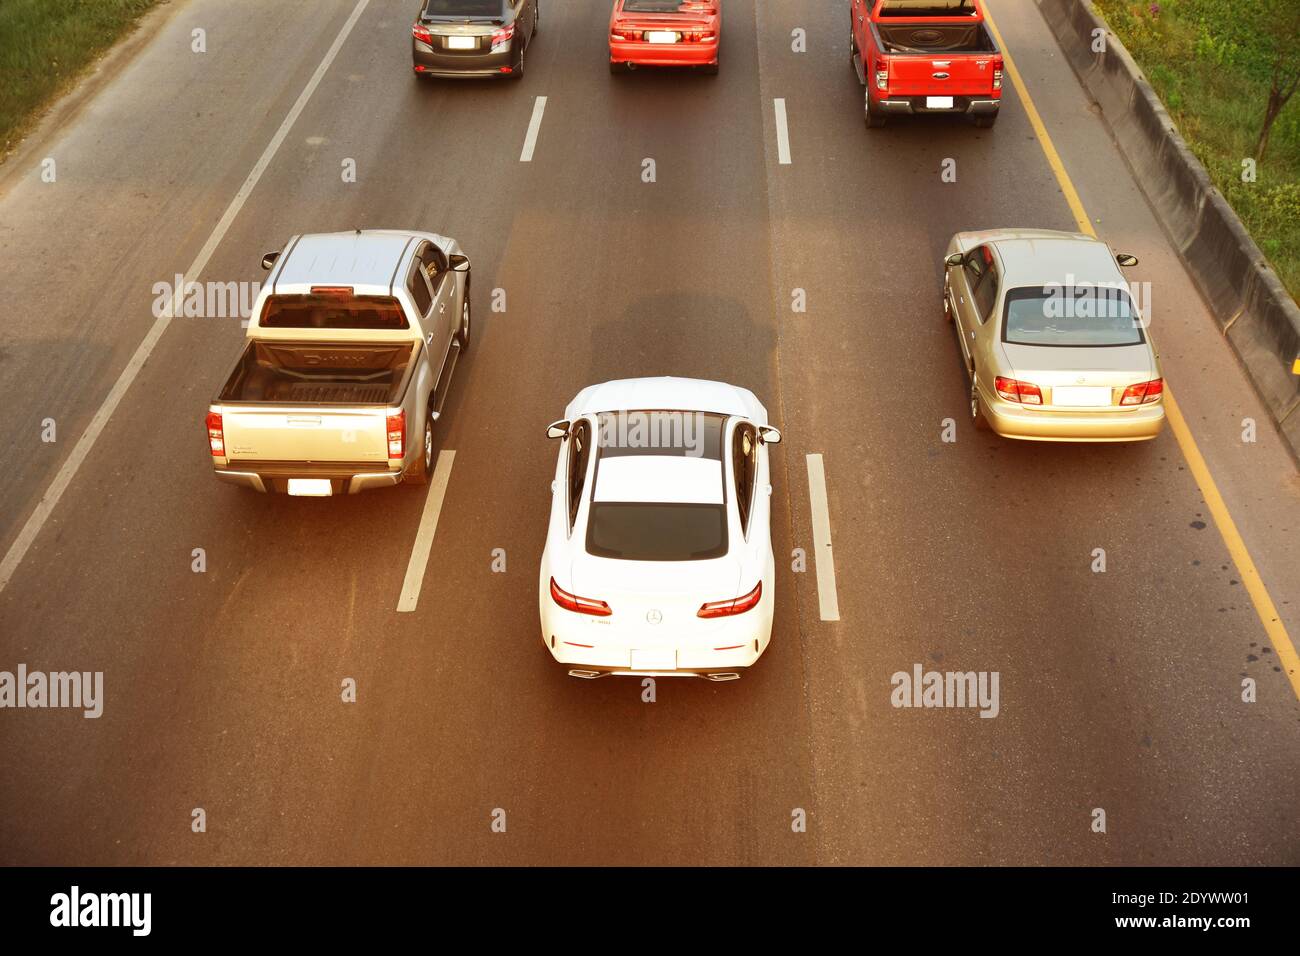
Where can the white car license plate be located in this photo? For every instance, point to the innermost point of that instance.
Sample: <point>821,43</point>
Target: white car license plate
<point>462,43</point>
<point>661,36</point>
<point>938,102</point>
<point>654,660</point>
<point>310,487</point>
<point>1085,396</point>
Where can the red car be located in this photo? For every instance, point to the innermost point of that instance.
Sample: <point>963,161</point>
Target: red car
<point>665,33</point>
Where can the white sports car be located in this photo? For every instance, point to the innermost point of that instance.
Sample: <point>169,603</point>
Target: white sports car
<point>658,557</point>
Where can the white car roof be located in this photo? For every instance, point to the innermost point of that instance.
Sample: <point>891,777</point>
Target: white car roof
<point>668,393</point>
<point>659,478</point>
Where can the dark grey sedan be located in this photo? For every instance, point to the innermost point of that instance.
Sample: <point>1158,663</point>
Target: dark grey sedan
<point>473,37</point>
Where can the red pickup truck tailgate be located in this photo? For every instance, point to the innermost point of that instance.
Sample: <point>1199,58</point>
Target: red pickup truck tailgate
<point>959,74</point>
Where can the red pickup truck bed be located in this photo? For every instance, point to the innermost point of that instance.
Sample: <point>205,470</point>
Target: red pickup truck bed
<point>926,56</point>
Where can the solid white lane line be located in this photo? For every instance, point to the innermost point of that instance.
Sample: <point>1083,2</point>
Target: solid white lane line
<point>782,134</point>
<point>823,557</point>
<point>534,126</point>
<point>424,537</point>
<point>18,550</point>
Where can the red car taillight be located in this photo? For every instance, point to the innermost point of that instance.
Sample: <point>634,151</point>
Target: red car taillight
<point>216,435</point>
<point>882,74</point>
<point>738,605</point>
<point>624,35</point>
<point>581,605</point>
<point>421,33</point>
<point>397,436</point>
<point>502,36</point>
<point>1143,392</point>
<point>1016,391</point>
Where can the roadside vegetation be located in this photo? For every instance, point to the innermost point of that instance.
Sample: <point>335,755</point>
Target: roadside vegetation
<point>46,45</point>
<point>1228,71</point>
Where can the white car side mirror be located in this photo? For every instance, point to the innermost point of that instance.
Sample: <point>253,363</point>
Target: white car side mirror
<point>769,435</point>
<point>558,429</point>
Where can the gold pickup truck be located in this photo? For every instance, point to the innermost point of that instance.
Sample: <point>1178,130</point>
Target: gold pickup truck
<point>349,355</point>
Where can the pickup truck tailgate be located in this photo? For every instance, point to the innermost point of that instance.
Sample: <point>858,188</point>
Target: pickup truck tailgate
<point>963,74</point>
<point>305,435</point>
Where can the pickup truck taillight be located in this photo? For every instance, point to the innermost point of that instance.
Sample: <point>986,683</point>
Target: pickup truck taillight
<point>997,74</point>
<point>216,435</point>
<point>882,74</point>
<point>397,436</point>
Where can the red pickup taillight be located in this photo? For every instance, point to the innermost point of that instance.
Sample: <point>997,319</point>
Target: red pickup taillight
<point>1013,390</point>
<point>216,435</point>
<point>997,73</point>
<point>738,605</point>
<point>421,33</point>
<point>580,605</point>
<point>1143,393</point>
<point>397,436</point>
<point>882,74</point>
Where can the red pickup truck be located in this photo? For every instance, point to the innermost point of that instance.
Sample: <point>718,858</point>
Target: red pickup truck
<point>926,56</point>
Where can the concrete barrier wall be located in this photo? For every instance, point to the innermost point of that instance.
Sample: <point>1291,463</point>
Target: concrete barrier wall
<point>1258,316</point>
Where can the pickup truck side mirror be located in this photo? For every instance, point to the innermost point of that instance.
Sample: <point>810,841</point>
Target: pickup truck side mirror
<point>269,260</point>
<point>953,260</point>
<point>1126,260</point>
<point>769,435</point>
<point>459,263</point>
<point>558,429</point>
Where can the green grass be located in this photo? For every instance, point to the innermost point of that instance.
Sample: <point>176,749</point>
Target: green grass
<point>1219,112</point>
<point>45,45</point>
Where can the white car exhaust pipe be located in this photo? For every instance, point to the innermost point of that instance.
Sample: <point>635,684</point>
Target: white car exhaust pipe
<point>729,675</point>
<point>585,675</point>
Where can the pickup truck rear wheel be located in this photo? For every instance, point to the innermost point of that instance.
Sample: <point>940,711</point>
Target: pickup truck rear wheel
<point>418,473</point>
<point>874,120</point>
<point>985,120</point>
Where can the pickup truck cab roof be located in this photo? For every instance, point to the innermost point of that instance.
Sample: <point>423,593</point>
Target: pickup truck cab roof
<point>360,264</point>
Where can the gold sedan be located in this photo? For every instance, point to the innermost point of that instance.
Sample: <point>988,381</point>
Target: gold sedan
<point>1055,347</point>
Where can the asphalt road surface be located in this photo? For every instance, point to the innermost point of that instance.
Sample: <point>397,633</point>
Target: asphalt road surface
<point>1119,690</point>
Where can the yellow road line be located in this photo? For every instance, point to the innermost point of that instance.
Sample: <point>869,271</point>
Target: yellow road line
<point>1259,596</point>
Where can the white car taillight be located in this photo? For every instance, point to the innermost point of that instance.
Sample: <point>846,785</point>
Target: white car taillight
<point>738,605</point>
<point>579,605</point>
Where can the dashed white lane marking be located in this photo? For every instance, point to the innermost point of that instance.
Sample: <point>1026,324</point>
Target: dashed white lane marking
<point>823,555</point>
<point>782,134</point>
<point>424,537</point>
<point>18,550</point>
<point>534,126</point>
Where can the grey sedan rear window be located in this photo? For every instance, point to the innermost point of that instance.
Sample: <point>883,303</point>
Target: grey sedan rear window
<point>464,8</point>
<point>1071,317</point>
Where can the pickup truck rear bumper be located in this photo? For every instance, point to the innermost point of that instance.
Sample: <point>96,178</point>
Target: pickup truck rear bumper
<point>275,480</point>
<point>910,105</point>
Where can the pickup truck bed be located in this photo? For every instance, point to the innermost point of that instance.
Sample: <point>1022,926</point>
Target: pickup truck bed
<point>319,374</point>
<point>928,38</point>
